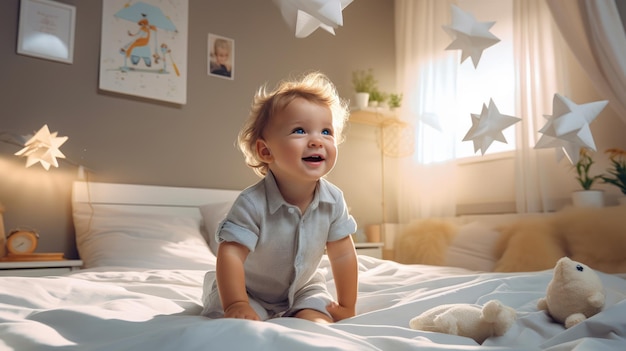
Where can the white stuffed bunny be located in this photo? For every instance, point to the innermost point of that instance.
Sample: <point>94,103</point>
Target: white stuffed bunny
<point>474,321</point>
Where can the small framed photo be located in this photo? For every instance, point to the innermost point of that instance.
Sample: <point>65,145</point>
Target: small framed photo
<point>221,57</point>
<point>46,30</point>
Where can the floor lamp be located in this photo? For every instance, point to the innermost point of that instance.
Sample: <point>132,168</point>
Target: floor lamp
<point>395,138</point>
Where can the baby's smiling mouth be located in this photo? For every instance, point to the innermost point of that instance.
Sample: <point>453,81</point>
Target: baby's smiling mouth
<point>314,158</point>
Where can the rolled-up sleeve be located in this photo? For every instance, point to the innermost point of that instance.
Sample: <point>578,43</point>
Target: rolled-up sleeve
<point>240,225</point>
<point>343,224</point>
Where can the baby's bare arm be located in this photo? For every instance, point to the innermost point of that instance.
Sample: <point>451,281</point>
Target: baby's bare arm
<point>231,281</point>
<point>343,262</point>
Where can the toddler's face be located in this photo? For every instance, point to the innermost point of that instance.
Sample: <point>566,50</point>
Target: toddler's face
<point>221,56</point>
<point>300,142</point>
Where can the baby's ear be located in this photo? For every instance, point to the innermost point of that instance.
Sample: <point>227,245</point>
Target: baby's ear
<point>263,151</point>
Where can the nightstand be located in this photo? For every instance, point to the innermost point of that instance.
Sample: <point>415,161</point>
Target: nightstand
<point>38,268</point>
<point>369,249</point>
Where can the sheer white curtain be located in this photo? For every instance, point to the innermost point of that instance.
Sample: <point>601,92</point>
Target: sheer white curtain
<point>426,74</point>
<point>540,73</point>
<point>595,34</point>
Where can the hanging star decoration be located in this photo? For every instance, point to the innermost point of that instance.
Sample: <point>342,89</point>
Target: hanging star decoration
<point>43,147</point>
<point>469,35</point>
<point>432,120</point>
<point>488,126</point>
<point>568,129</point>
<point>306,16</point>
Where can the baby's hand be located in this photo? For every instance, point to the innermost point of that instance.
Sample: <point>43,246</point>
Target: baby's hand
<point>339,312</point>
<point>241,310</point>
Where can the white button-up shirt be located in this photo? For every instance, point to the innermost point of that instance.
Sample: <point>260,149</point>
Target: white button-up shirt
<point>285,245</point>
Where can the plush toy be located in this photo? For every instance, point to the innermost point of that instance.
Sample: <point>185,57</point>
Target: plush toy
<point>574,294</point>
<point>474,321</point>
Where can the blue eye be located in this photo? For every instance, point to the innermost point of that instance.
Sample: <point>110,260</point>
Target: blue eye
<point>579,268</point>
<point>298,131</point>
<point>327,132</point>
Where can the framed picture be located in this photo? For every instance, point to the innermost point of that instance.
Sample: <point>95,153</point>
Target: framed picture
<point>143,49</point>
<point>221,57</point>
<point>46,30</point>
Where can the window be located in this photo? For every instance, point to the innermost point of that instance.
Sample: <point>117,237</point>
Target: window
<point>494,78</point>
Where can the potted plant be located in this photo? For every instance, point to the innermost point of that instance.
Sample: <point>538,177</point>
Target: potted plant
<point>376,97</point>
<point>586,197</point>
<point>364,83</point>
<point>395,100</point>
<point>617,171</point>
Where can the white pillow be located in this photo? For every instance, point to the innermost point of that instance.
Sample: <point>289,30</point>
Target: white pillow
<point>472,247</point>
<point>128,237</point>
<point>213,214</point>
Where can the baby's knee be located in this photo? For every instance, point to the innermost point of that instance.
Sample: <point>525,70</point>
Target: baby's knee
<point>313,315</point>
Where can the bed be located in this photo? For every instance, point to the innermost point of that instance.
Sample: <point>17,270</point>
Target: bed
<point>146,249</point>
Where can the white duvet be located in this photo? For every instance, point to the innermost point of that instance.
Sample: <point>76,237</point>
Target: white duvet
<point>116,309</point>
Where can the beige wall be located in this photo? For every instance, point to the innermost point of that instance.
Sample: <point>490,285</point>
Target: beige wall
<point>129,140</point>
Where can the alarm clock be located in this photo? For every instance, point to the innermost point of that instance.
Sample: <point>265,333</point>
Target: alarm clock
<point>22,241</point>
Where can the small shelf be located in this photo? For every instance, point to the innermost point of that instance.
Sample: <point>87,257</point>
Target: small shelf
<point>369,249</point>
<point>373,116</point>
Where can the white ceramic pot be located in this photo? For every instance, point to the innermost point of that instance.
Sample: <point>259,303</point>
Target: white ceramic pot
<point>361,100</point>
<point>588,198</point>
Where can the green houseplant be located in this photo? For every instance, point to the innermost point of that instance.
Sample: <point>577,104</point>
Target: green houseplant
<point>582,170</point>
<point>617,171</point>
<point>363,81</point>
<point>586,197</point>
<point>395,100</point>
<point>376,97</point>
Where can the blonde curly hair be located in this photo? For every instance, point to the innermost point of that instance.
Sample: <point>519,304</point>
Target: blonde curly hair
<point>314,87</point>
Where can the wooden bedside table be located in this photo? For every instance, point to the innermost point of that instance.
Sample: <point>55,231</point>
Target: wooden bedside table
<point>38,268</point>
<point>369,249</point>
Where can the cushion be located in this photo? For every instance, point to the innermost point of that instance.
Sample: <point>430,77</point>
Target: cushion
<point>137,238</point>
<point>472,247</point>
<point>593,236</point>
<point>444,242</point>
<point>212,215</point>
<point>425,241</point>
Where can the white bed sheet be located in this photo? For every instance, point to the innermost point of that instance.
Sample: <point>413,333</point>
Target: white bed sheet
<point>115,308</point>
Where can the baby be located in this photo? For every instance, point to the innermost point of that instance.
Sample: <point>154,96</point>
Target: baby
<point>277,231</point>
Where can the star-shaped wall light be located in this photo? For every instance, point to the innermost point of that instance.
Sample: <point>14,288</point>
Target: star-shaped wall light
<point>469,35</point>
<point>306,16</point>
<point>488,126</point>
<point>567,129</point>
<point>43,147</point>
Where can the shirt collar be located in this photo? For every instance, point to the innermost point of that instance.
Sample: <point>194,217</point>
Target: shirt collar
<point>275,199</point>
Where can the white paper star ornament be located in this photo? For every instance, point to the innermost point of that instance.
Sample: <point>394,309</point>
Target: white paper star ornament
<point>488,126</point>
<point>43,147</point>
<point>569,125</point>
<point>305,16</point>
<point>431,119</point>
<point>469,35</point>
<point>563,148</point>
<point>306,24</point>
